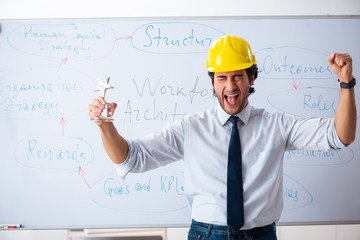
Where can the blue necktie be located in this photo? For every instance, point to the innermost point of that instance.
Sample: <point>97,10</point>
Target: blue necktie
<point>235,203</point>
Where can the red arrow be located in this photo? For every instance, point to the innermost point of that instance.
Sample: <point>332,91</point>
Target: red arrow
<point>83,173</point>
<point>295,85</point>
<point>62,122</point>
<point>63,61</point>
<point>127,37</point>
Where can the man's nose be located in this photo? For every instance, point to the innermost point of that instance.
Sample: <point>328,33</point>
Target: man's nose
<point>230,84</point>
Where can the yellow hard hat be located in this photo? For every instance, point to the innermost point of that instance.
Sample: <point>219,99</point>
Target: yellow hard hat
<point>229,53</point>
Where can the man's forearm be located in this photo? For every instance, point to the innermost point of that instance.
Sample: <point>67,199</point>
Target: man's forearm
<point>115,145</point>
<point>346,116</point>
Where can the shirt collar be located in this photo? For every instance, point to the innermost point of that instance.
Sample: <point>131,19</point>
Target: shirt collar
<point>244,115</point>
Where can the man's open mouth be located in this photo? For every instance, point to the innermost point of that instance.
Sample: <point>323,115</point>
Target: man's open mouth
<point>232,99</point>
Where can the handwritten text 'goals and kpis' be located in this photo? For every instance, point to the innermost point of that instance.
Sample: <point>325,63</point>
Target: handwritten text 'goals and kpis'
<point>128,193</point>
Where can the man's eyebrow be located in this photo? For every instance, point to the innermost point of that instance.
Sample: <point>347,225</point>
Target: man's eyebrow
<point>221,76</point>
<point>239,75</point>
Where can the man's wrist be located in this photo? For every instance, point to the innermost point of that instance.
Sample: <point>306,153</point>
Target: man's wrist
<point>347,85</point>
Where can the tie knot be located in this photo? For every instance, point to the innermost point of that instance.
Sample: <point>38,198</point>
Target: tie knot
<point>233,120</point>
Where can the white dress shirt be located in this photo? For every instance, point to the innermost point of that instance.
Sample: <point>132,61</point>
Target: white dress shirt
<point>201,140</point>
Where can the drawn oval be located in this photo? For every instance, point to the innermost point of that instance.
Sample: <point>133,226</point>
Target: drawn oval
<point>42,93</point>
<point>308,101</point>
<point>148,192</point>
<point>80,41</point>
<point>292,62</point>
<point>319,157</point>
<point>53,152</point>
<point>295,195</point>
<point>174,37</point>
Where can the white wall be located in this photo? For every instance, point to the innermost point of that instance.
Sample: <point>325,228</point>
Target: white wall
<point>13,9</point>
<point>24,9</point>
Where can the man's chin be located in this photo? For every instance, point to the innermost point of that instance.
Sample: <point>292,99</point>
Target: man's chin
<point>232,111</point>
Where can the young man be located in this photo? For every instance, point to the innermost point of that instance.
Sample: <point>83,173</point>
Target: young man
<point>209,142</point>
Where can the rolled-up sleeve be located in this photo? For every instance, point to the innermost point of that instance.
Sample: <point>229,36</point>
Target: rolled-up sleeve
<point>123,168</point>
<point>333,138</point>
<point>314,133</point>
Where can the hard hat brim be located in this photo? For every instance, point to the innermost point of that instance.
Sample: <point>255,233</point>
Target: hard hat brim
<point>230,68</point>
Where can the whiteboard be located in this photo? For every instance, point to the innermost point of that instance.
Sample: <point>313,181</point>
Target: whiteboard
<point>54,171</point>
